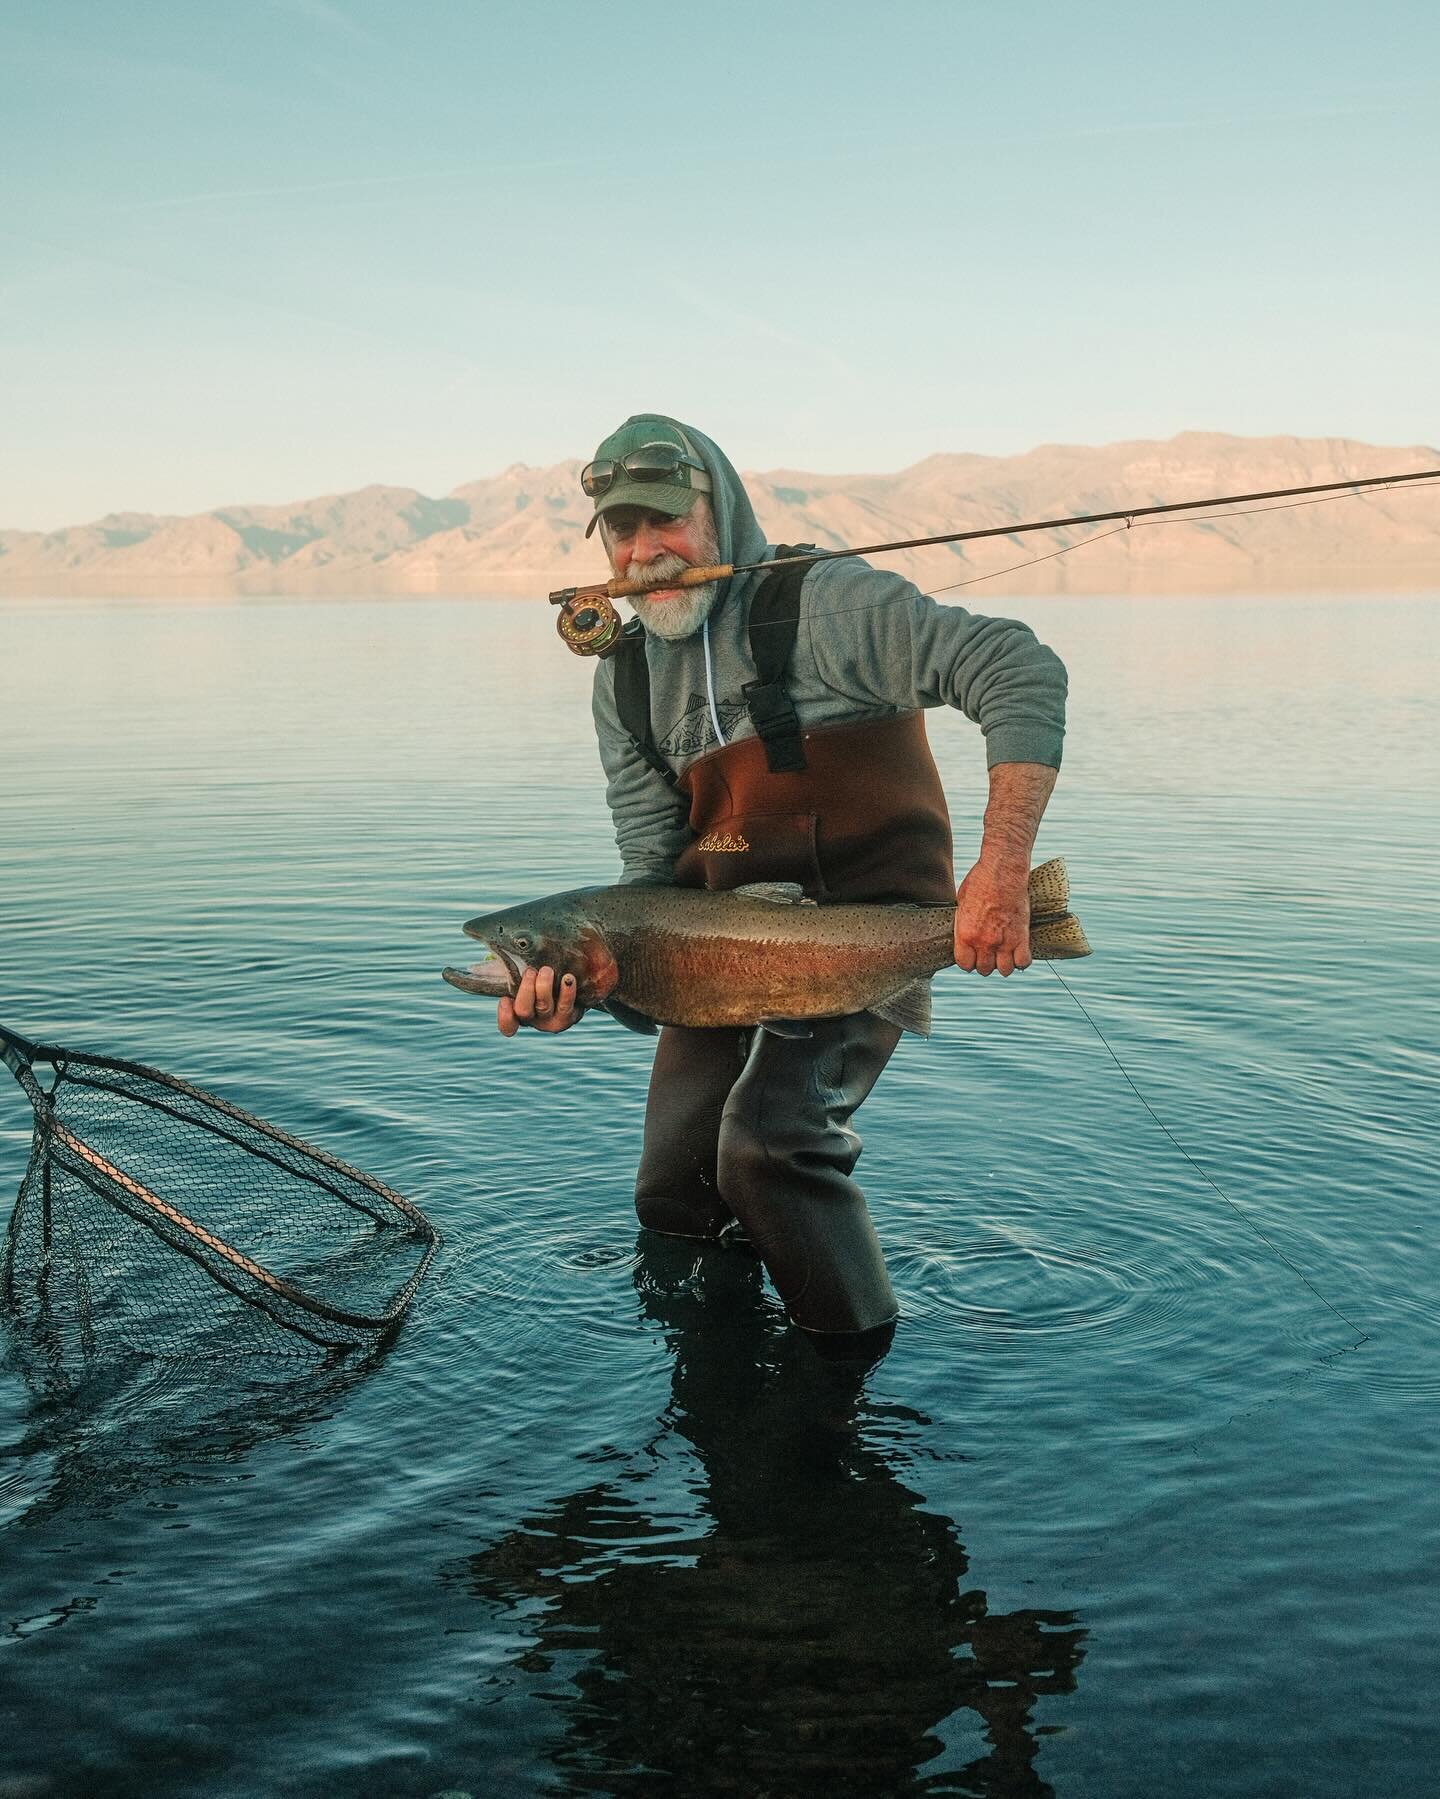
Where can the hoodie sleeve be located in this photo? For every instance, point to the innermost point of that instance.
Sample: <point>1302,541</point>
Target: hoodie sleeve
<point>651,818</point>
<point>878,640</point>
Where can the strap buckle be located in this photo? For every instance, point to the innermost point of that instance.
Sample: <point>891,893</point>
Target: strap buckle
<point>777,725</point>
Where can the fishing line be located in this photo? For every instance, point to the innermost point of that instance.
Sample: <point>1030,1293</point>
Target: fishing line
<point>1138,525</point>
<point>1362,1336</point>
<point>1030,561</point>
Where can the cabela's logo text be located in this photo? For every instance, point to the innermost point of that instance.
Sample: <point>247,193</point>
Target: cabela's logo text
<point>723,842</point>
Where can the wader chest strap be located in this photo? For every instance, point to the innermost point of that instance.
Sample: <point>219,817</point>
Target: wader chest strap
<point>632,699</point>
<point>774,625</point>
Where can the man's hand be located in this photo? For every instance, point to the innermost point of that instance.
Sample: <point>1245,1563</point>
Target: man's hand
<point>992,918</point>
<point>536,1003</point>
<point>992,908</point>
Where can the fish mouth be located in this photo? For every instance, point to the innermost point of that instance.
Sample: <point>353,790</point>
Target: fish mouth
<point>495,975</point>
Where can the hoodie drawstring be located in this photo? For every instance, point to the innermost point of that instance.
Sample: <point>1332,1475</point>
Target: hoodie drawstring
<point>710,687</point>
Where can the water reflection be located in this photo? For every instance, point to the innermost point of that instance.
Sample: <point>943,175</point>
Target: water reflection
<point>135,1425</point>
<point>814,1634</point>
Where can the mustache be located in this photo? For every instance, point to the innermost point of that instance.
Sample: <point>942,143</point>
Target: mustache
<point>660,571</point>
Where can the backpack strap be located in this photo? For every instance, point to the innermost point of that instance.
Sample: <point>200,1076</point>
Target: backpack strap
<point>774,626</point>
<point>632,698</point>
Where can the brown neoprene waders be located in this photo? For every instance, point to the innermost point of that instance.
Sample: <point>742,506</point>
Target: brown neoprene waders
<point>748,1128</point>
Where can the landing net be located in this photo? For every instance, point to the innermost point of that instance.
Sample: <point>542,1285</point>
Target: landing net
<point>155,1216</point>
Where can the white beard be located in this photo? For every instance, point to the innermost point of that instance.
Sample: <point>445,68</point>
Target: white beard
<point>684,612</point>
<point>677,617</point>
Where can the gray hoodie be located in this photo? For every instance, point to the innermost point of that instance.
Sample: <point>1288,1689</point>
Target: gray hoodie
<point>870,645</point>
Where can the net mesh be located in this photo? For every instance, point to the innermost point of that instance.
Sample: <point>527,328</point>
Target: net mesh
<point>155,1216</point>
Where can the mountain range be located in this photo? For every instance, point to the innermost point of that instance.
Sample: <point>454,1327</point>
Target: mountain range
<point>522,532</point>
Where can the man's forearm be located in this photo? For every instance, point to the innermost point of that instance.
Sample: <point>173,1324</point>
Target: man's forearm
<point>1018,792</point>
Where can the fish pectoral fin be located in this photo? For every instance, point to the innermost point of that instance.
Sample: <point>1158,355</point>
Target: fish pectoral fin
<point>602,974</point>
<point>909,1008</point>
<point>774,893</point>
<point>629,1017</point>
<point>785,1027</point>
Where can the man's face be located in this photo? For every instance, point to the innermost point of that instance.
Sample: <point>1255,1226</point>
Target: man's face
<point>652,547</point>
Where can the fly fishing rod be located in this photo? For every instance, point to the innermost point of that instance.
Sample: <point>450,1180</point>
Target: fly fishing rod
<point>590,626</point>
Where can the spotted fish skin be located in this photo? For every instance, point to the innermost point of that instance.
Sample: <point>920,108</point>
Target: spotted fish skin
<point>682,955</point>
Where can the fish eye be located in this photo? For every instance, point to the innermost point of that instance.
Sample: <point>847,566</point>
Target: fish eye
<point>522,943</point>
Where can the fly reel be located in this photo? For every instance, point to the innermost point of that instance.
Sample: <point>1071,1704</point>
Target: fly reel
<point>588,623</point>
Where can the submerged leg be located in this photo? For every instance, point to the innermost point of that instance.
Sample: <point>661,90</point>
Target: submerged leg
<point>676,1189</point>
<point>786,1153</point>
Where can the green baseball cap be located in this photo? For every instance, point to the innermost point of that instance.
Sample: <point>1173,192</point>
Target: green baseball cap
<point>669,490</point>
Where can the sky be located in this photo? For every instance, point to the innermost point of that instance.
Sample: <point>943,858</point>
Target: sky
<point>268,249</point>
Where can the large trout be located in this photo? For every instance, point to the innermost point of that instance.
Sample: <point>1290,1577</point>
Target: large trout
<point>760,955</point>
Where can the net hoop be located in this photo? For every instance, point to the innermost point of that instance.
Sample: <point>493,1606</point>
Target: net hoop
<point>56,1143</point>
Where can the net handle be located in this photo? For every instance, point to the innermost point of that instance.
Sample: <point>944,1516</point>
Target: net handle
<point>15,1049</point>
<point>89,1159</point>
<point>18,1054</point>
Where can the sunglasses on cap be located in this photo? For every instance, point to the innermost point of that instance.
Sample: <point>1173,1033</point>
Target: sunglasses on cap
<point>651,462</point>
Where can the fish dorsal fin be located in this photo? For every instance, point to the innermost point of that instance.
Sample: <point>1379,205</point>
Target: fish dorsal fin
<point>909,1008</point>
<point>775,893</point>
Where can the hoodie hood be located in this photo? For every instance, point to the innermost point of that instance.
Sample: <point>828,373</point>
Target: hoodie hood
<point>737,530</point>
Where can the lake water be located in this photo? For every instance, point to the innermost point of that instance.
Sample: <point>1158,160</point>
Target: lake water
<point>1129,1509</point>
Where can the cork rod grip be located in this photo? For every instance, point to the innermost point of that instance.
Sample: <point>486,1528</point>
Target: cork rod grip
<point>693,577</point>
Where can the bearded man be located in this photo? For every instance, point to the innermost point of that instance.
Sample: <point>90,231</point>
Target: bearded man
<point>771,728</point>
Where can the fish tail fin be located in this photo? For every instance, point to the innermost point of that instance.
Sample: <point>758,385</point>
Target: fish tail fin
<point>1055,932</point>
<point>1059,939</point>
<point>1049,887</point>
